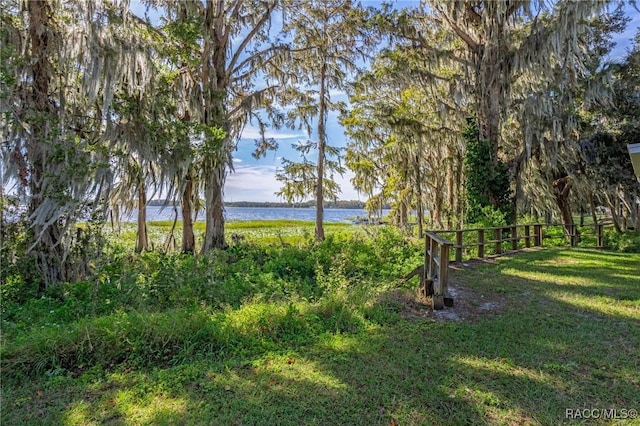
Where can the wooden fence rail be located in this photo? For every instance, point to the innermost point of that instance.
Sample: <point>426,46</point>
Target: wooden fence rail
<point>438,249</point>
<point>436,270</point>
<point>497,240</point>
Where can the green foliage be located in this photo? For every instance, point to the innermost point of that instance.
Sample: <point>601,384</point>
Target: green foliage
<point>487,182</point>
<point>144,339</point>
<point>489,217</point>
<point>299,178</point>
<point>626,242</point>
<point>162,308</point>
<point>19,279</point>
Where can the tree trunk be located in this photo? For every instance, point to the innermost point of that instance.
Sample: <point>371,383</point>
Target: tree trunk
<point>561,188</point>
<point>622,211</point>
<point>493,92</point>
<point>214,80</point>
<point>48,248</point>
<point>142,242</point>
<point>171,238</point>
<point>214,210</point>
<point>437,205</point>
<point>321,154</point>
<point>419,206</point>
<point>614,214</point>
<point>592,206</point>
<point>451,192</point>
<point>403,214</point>
<point>489,125</point>
<point>461,192</point>
<point>188,236</point>
<point>420,213</point>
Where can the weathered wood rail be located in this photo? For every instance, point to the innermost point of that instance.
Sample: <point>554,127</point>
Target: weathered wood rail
<point>434,274</point>
<point>435,282</point>
<point>531,235</point>
<point>497,240</point>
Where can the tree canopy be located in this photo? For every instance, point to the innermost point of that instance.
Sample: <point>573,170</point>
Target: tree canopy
<point>456,110</point>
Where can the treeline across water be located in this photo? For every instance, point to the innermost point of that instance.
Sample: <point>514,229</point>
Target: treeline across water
<point>339,204</point>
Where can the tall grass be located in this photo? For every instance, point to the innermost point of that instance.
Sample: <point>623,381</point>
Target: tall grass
<point>150,307</point>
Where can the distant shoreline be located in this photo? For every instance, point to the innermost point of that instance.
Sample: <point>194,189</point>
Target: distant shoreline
<point>346,204</point>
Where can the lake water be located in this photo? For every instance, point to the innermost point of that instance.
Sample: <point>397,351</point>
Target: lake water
<point>261,213</point>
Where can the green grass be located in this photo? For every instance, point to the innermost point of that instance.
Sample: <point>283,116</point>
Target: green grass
<point>257,224</point>
<point>317,335</point>
<point>256,231</point>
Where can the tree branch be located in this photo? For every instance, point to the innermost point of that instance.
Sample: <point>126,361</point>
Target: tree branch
<point>254,56</point>
<point>473,45</point>
<point>250,97</point>
<point>243,44</point>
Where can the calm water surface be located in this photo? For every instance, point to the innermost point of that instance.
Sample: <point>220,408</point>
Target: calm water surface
<point>261,213</point>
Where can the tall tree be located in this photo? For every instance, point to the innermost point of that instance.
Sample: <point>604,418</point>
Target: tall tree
<point>328,38</point>
<point>607,129</point>
<point>405,130</point>
<point>62,63</point>
<point>504,55</point>
<point>220,92</point>
<point>549,167</point>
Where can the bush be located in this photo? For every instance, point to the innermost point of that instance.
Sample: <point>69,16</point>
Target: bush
<point>627,241</point>
<point>157,308</point>
<point>490,217</point>
<point>18,280</point>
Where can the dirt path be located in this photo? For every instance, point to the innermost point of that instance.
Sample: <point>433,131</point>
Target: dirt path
<point>470,304</point>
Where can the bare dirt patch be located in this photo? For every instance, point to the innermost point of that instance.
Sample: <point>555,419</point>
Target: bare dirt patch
<point>469,304</point>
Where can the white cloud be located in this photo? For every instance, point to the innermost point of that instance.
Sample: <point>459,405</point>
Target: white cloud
<point>348,191</point>
<point>252,183</point>
<point>258,183</point>
<point>251,132</point>
<point>335,93</point>
<point>237,160</point>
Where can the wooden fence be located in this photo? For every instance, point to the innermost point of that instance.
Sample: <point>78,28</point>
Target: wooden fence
<point>495,240</point>
<point>436,270</point>
<point>481,242</point>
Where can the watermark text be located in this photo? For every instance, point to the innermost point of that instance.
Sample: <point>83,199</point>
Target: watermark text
<point>601,413</point>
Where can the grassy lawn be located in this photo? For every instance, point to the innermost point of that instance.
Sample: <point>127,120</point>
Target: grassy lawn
<point>531,336</point>
<point>280,231</point>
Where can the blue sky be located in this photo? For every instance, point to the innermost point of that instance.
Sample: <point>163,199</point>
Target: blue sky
<point>254,180</point>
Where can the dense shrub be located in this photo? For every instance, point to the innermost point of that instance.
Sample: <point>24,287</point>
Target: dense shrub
<point>157,308</point>
<point>627,242</point>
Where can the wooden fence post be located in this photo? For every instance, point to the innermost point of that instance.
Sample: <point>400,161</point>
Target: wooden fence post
<point>480,243</point>
<point>444,275</point>
<point>459,245</point>
<point>432,263</point>
<point>527,236</point>
<point>514,237</point>
<point>498,236</point>
<point>438,292</point>
<point>537,237</point>
<point>599,236</point>
<point>425,273</point>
